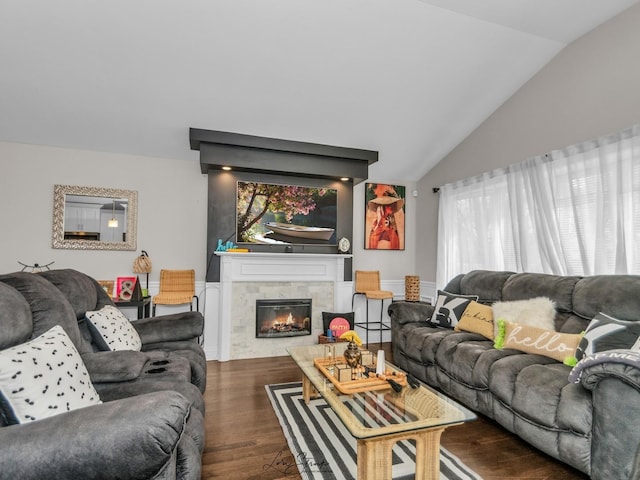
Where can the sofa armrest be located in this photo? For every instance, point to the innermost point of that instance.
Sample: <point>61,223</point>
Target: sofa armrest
<point>625,373</point>
<point>132,438</point>
<point>167,328</point>
<point>613,377</point>
<point>623,365</point>
<point>118,366</point>
<point>408,312</point>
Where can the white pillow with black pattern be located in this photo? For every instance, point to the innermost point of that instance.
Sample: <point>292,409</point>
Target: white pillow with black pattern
<point>449,308</point>
<point>42,378</point>
<point>112,330</point>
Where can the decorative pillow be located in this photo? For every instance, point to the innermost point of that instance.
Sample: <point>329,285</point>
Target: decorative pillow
<point>42,378</point>
<point>607,333</point>
<point>477,318</point>
<point>449,308</point>
<point>537,312</point>
<point>327,317</point>
<point>111,330</point>
<point>556,345</point>
<point>619,356</point>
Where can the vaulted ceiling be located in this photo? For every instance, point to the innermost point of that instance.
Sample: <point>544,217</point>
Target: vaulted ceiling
<point>408,78</point>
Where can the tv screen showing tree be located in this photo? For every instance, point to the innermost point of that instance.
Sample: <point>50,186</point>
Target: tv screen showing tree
<point>290,214</point>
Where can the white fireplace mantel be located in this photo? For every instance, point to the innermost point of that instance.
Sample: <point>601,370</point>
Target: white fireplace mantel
<point>271,267</point>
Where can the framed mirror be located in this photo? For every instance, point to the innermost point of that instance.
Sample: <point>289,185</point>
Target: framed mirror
<point>90,218</point>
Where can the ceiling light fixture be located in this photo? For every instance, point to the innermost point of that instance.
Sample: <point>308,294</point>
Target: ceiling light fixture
<point>344,179</point>
<point>226,168</point>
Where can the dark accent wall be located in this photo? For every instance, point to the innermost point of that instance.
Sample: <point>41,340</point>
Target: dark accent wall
<point>274,161</point>
<point>222,214</point>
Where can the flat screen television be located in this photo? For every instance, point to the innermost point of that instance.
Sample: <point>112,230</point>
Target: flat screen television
<point>273,213</point>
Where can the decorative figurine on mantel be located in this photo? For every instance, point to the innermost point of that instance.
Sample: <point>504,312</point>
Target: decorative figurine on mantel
<point>224,247</point>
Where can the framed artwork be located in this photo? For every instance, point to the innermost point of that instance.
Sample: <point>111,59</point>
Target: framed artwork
<point>107,285</point>
<point>384,216</point>
<point>125,287</point>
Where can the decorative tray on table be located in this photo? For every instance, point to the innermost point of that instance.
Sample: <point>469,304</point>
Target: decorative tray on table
<point>340,374</point>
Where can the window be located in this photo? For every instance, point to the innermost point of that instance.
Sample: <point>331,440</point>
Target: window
<point>575,211</point>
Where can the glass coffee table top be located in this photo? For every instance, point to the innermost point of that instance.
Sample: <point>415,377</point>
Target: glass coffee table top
<point>380,412</point>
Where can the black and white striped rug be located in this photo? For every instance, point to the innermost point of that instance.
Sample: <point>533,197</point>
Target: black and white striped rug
<point>323,449</point>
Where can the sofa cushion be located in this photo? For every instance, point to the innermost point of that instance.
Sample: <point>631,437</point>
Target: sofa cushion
<point>616,295</point>
<point>422,343</point>
<point>15,318</point>
<point>112,330</point>
<point>487,285</point>
<point>504,372</point>
<point>559,289</point>
<point>78,288</point>
<point>449,308</point>
<point>477,318</point>
<point>42,378</point>
<point>460,355</point>
<point>607,333</point>
<point>559,346</point>
<point>48,306</point>
<point>543,395</point>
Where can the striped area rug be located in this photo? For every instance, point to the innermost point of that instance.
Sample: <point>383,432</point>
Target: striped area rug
<point>324,449</point>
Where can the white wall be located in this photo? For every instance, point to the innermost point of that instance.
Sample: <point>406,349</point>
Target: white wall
<point>588,90</point>
<point>172,208</point>
<point>172,212</point>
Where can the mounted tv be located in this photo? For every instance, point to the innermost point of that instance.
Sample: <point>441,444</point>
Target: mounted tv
<point>271,213</point>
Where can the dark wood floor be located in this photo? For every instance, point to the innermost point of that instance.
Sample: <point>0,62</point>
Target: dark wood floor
<point>244,439</point>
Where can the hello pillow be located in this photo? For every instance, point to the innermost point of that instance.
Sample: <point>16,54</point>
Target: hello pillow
<point>528,339</point>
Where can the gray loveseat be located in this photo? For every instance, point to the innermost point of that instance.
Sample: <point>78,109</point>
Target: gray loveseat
<point>593,425</point>
<point>176,334</point>
<point>150,424</point>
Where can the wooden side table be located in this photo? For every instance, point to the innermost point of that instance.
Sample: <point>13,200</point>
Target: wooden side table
<point>144,306</point>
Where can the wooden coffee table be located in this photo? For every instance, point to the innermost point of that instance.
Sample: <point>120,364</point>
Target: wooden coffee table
<point>419,414</point>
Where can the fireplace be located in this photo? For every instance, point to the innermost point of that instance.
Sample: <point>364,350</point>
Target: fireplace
<point>283,318</point>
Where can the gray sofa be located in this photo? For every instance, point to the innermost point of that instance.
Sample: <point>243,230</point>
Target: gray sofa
<point>150,424</point>
<point>176,333</point>
<point>593,425</point>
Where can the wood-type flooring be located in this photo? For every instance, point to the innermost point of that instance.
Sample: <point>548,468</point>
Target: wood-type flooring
<point>244,440</point>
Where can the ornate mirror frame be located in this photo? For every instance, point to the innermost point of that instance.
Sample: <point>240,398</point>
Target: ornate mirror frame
<point>59,196</point>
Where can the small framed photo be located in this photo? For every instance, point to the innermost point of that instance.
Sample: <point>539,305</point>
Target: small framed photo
<point>125,287</point>
<point>107,285</point>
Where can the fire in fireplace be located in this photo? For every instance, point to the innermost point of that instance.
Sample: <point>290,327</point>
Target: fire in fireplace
<point>283,318</point>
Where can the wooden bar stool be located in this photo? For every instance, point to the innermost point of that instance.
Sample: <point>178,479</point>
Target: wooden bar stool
<point>368,285</point>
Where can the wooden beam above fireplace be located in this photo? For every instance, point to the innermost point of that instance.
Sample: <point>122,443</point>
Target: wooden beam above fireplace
<point>262,154</point>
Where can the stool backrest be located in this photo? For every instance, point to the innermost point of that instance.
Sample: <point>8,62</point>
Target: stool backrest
<point>174,281</point>
<point>367,281</point>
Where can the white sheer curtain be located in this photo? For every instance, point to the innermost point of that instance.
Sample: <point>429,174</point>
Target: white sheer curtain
<point>575,211</point>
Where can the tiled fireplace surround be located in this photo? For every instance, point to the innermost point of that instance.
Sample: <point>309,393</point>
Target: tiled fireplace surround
<point>245,278</point>
<point>230,313</point>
